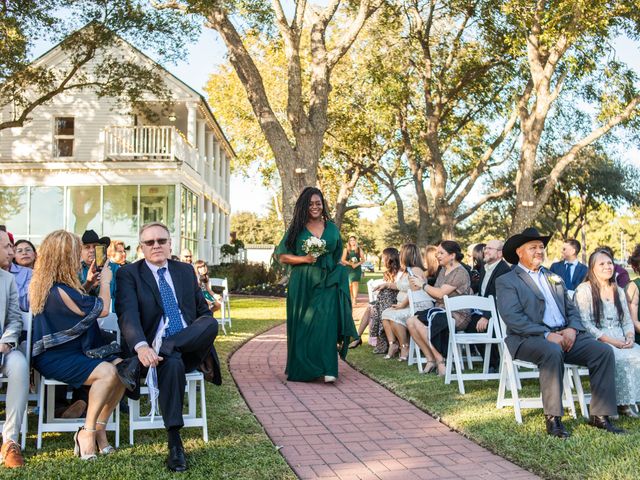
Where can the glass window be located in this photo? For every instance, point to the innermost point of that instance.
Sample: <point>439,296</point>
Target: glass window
<point>83,209</point>
<point>13,210</point>
<point>47,211</point>
<point>120,210</point>
<point>189,225</point>
<point>157,204</point>
<point>63,136</point>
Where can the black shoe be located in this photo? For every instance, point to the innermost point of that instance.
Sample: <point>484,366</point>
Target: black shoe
<point>555,427</point>
<point>602,421</point>
<point>129,372</point>
<point>177,462</point>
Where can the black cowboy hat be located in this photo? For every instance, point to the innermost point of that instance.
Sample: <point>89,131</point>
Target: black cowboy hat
<point>515,242</point>
<point>90,236</point>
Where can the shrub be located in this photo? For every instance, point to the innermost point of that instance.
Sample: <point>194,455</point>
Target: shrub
<point>265,289</point>
<point>240,275</point>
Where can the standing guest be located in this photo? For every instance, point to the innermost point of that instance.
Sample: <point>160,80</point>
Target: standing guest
<point>633,291</point>
<point>353,257</point>
<point>621,275</point>
<point>25,254</point>
<point>430,260</point>
<point>477,266</point>
<point>14,367</point>
<point>605,315</point>
<point>186,256</point>
<point>202,272</point>
<point>22,275</point>
<point>544,327</point>
<point>394,319</point>
<point>387,296</point>
<point>117,253</point>
<point>494,266</point>
<point>570,269</point>
<point>89,272</point>
<point>167,331</point>
<point>318,301</point>
<point>453,280</point>
<point>67,344</point>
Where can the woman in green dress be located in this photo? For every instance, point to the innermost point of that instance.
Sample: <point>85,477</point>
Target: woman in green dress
<point>352,258</point>
<point>318,304</point>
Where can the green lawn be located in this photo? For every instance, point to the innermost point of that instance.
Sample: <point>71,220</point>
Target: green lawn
<point>362,288</point>
<point>589,453</point>
<point>238,448</point>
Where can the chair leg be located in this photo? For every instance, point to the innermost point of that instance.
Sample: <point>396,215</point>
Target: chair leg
<point>515,394</point>
<point>23,442</point>
<point>203,412</point>
<point>502,386</point>
<point>580,393</point>
<point>458,362</point>
<point>469,359</point>
<point>568,394</point>
<point>41,407</point>
<point>412,359</point>
<point>487,357</point>
<point>117,432</point>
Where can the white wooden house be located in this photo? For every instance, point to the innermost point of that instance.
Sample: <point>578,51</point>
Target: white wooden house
<point>84,162</point>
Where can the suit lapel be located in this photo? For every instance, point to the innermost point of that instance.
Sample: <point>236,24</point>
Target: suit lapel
<point>147,277</point>
<point>530,283</point>
<point>177,280</point>
<point>556,290</point>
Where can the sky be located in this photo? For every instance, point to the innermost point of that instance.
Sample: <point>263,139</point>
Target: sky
<point>248,194</point>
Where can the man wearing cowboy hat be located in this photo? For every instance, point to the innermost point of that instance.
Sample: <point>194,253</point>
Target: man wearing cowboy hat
<point>544,327</point>
<point>89,274</point>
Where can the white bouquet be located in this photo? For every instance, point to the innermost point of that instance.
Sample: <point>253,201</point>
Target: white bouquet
<point>314,246</point>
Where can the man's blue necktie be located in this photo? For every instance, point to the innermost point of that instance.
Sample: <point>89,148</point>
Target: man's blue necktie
<point>567,275</point>
<point>169,305</point>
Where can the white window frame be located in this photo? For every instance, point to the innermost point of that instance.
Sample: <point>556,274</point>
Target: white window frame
<point>57,137</point>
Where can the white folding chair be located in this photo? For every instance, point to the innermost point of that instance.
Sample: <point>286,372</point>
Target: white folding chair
<point>48,422</point>
<point>458,339</point>
<point>26,327</point>
<point>139,421</point>
<point>418,301</point>
<point>372,292</point>
<point>225,303</point>
<point>510,379</point>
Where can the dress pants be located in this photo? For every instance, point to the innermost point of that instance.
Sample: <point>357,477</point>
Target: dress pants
<point>15,369</point>
<point>586,351</point>
<point>182,352</point>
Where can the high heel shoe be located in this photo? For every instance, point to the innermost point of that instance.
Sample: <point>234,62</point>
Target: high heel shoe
<point>443,372</point>
<point>393,350</point>
<point>355,343</point>
<point>427,368</point>
<point>76,449</point>
<point>404,353</point>
<point>109,449</point>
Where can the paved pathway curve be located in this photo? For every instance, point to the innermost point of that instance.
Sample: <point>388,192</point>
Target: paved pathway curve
<point>336,431</point>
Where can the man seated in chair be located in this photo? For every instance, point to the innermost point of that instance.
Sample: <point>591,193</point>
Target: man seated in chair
<point>544,327</point>
<point>167,327</point>
<point>494,266</point>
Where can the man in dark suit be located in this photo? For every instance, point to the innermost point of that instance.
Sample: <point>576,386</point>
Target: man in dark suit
<point>494,266</point>
<point>165,324</point>
<point>544,327</point>
<point>570,269</point>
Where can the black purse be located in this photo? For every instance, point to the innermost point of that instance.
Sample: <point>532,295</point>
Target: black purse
<point>104,351</point>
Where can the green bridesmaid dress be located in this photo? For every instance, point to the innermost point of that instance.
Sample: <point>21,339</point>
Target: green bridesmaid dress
<point>319,320</point>
<point>354,273</point>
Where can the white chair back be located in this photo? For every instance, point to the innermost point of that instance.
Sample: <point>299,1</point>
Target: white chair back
<point>225,311</point>
<point>371,285</point>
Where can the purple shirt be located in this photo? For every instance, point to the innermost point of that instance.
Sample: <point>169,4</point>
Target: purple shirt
<point>23,279</point>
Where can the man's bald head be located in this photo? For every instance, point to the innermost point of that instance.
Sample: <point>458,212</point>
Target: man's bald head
<point>493,251</point>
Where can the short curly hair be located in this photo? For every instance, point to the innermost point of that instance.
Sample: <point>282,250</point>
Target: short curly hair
<point>634,259</point>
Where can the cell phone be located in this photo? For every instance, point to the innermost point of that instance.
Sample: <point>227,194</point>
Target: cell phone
<point>101,256</point>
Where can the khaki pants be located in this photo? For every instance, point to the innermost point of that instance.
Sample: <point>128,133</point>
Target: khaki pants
<point>15,370</point>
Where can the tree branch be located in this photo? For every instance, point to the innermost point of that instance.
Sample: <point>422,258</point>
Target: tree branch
<point>484,199</point>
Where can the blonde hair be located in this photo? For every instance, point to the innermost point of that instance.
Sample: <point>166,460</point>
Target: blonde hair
<point>430,259</point>
<point>58,262</point>
<point>111,249</point>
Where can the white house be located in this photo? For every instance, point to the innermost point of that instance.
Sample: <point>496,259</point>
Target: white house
<point>84,162</point>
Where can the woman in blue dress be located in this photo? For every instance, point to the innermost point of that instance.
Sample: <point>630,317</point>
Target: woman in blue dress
<point>67,339</point>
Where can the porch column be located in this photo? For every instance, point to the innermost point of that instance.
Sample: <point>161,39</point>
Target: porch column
<point>201,227</point>
<point>227,189</point>
<point>201,145</point>
<point>207,232</point>
<point>216,170</point>
<point>192,115</point>
<point>215,240</point>
<point>223,173</point>
<point>210,159</point>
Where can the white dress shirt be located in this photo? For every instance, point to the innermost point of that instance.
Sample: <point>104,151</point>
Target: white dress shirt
<point>553,318</point>
<point>488,271</point>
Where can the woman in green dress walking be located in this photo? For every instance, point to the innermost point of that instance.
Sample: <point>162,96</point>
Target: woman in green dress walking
<point>318,304</point>
<point>352,258</point>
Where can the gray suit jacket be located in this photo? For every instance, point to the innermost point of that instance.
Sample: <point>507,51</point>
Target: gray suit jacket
<point>10,315</point>
<point>521,305</point>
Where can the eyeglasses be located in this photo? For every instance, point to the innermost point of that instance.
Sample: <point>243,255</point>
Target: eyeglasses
<point>151,243</point>
<point>24,250</point>
<point>188,256</point>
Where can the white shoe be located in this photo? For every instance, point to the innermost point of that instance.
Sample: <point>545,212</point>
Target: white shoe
<point>329,379</point>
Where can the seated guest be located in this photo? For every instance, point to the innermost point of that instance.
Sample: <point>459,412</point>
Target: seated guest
<point>25,254</point>
<point>117,252</point>
<point>387,296</point>
<point>186,256</point>
<point>544,327</point>
<point>166,328</point>
<point>570,269</point>
<point>494,266</point>
<point>621,275</point>
<point>477,266</point>
<point>453,280</point>
<point>22,275</point>
<point>605,315</point>
<point>633,291</point>
<point>430,260</point>
<point>14,366</point>
<point>202,271</point>
<point>67,345</point>
<point>394,319</point>
<point>89,272</point>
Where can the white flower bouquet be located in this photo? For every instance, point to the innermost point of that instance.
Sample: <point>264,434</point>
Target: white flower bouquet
<point>314,246</point>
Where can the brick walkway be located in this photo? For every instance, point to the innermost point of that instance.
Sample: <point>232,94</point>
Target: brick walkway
<point>339,431</point>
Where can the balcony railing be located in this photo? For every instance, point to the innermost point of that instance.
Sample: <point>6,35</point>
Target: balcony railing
<point>149,143</point>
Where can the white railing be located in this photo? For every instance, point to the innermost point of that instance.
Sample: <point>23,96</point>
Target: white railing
<point>148,143</point>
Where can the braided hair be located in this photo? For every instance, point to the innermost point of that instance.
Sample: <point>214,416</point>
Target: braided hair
<point>301,215</point>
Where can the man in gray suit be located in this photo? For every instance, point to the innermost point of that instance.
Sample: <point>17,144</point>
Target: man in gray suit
<point>544,327</point>
<point>14,365</point>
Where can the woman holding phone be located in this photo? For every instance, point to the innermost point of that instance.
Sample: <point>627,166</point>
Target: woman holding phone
<point>93,258</point>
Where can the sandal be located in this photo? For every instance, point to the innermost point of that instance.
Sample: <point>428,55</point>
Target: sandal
<point>404,353</point>
<point>76,449</point>
<point>444,370</point>
<point>427,368</point>
<point>393,350</point>
<point>109,449</point>
<point>355,343</point>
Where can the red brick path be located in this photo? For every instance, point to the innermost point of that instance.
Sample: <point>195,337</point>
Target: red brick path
<point>340,432</point>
